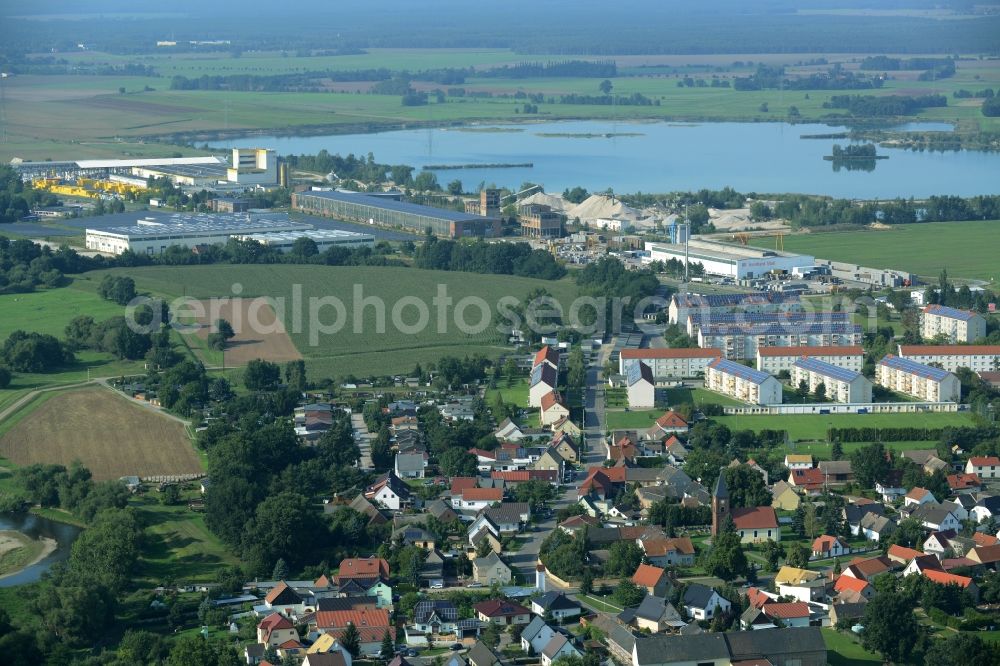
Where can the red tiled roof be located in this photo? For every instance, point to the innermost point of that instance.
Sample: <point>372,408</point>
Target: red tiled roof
<point>367,617</point>
<point>944,578</point>
<point>516,476</point>
<point>756,518</point>
<point>786,611</point>
<point>482,494</point>
<point>550,400</point>
<point>276,591</point>
<point>291,643</point>
<point>984,461</point>
<point>275,621</point>
<point>647,575</point>
<point>964,481</point>
<point>825,543</point>
<point>850,583</point>
<point>757,598</point>
<point>671,419</point>
<point>546,353</point>
<point>948,350</point>
<point>500,608</point>
<point>811,478</point>
<point>480,453</point>
<point>984,539</point>
<point>902,553</point>
<point>671,353</point>
<point>660,547</point>
<point>811,351</point>
<point>363,567</point>
<point>917,493</point>
<point>871,566</point>
<point>987,554</point>
<point>460,483</point>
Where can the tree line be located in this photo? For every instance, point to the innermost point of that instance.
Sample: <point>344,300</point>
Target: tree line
<point>885,105</point>
<point>482,257</point>
<point>773,77</point>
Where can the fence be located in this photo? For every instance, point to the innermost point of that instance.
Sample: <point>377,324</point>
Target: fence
<point>843,408</point>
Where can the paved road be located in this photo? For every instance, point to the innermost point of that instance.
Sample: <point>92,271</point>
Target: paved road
<point>363,437</point>
<point>524,560</point>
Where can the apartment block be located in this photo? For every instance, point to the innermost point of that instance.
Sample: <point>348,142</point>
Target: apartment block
<point>743,383</point>
<point>921,381</point>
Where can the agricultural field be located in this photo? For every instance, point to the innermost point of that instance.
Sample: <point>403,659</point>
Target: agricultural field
<point>808,427</point>
<point>361,347</point>
<point>917,248</point>
<point>53,116</point>
<point>50,310</point>
<point>110,435</point>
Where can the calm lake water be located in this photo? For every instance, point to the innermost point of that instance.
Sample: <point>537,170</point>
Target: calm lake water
<point>35,527</point>
<point>661,157</point>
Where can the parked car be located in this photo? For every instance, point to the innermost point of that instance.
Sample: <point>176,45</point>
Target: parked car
<point>437,585</point>
<point>412,653</point>
<point>457,646</point>
<point>474,583</point>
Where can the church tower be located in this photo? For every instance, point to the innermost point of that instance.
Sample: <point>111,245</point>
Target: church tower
<point>720,504</point>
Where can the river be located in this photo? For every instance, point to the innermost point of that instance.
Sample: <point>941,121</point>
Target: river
<point>660,157</point>
<point>36,527</point>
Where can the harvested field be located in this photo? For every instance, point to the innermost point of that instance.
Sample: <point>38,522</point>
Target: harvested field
<point>106,432</point>
<point>258,332</point>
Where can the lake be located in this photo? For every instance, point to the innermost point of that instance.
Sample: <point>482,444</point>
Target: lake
<point>660,157</point>
<point>35,527</point>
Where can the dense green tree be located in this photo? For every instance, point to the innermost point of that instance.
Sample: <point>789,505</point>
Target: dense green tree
<point>726,559</point>
<point>746,487</point>
<point>193,650</point>
<point>303,248</point>
<point>280,570</point>
<point>457,462</point>
<point>798,556</point>
<point>624,558</point>
<point>5,377</point>
<point>261,375</point>
<point>587,581</point>
<point>388,647</point>
<point>836,450</point>
<point>820,392</point>
<point>491,635</point>
<point>961,649</point>
<point>141,647</point>
<point>870,465</point>
<point>295,375</point>
<point>909,533</point>
<point>773,553</point>
<point>891,628</point>
<point>350,640</point>
<point>627,594</point>
<point>285,525</point>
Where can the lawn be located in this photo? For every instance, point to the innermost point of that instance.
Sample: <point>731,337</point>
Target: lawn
<point>632,420</point>
<point>50,310</point>
<point>845,650</point>
<point>598,604</point>
<point>513,394</point>
<point>699,396</point>
<point>809,427</point>
<point>362,345</point>
<point>917,248</point>
<point>178,546</point>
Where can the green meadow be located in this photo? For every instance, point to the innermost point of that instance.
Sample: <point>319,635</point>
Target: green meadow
<point>917,248</point>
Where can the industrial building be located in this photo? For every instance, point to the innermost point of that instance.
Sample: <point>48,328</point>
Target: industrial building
<point>697,318</point>
<point>739,262</point>
<point>368,209</point>
<point>683,305</point>
<point>540,221</point>
<point>743,383</point>
<point>878,277</point>
<point>924,382</point>
<point>324,239</point>
<point>777,359</point>
<point>978,358</point>
<point>488,204</point>
<point>670,363</point>
<point>959,326</point>
<point>639,386</point>
<point>742,342</point>
<point>154,235</point>
<point>248,168</point>
<point>840,384</point>
<point>73,169</point>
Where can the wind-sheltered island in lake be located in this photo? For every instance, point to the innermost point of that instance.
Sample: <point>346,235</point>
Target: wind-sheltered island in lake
<point>855,157</point>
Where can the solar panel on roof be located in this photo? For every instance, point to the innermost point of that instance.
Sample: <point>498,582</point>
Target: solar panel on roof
<point>827,369</point>
<point>739,370</point>
<point>945,311</point>
<point>912,367</point>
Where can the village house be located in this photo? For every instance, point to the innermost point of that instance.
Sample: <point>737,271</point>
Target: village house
<point>477,499</point>
<point>558,646</point>
<point>544,380</point>
<point>829,546</point>
<point>640,387</point>
<point>371,624</point>
<point>985,467</point>
<point>700,602</point>
<point>276,629</point>
<point>795,461</point>
<point>535,636</point>
<point>784,497</point>
<point>918,496</point>
<point>559,606</point>
<point>756,524</point>
<point>482,655</point>
<point>800,584</point>
<point>491,569</point>
<point>389,491</point>
<point>936,517</point>
<point>502,612</point>
<point>552,408</point>
<point>855,588</point>
<point>836,473</point>
<point>410,465</point>
<point>676,551</point>
<point>654,580</point>
<point>653,614</point>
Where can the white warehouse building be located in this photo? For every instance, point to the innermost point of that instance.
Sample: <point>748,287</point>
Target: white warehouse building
<point>841,384</point>
<point>154,235</point>
<point>925,382</point>
<point>743,383</point>
<point>324,239</point>
<point>735,261</point>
